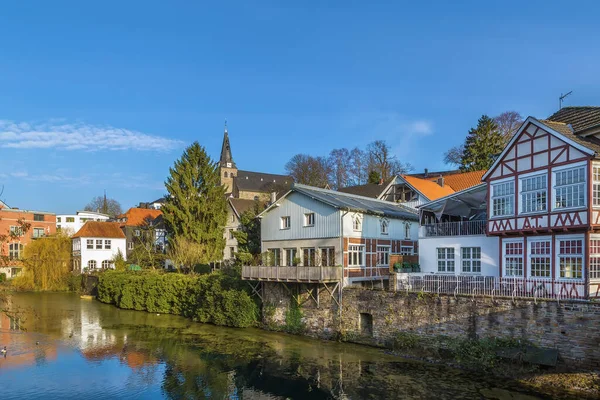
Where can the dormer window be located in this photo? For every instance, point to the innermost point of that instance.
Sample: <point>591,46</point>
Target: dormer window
<point>357,224</point>
<point>385,227</point>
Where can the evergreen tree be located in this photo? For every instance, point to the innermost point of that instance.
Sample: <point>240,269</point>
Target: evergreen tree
<point>196,208</point>
<point>374,177</point>
<point>248,236</point>
<point>481,145</point>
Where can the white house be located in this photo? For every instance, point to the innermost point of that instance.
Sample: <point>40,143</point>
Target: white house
<point>325,233</point>
<point>96,244</point>
<point>72,223</point>
<point>452,237</point>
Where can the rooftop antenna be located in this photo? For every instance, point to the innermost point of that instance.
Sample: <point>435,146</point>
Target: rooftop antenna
<point>225,124</point>
<point>562,98</point>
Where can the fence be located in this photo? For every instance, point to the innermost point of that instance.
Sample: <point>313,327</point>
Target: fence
<point>492,286</point>
<point>292,274</point>
<point>463,228</point>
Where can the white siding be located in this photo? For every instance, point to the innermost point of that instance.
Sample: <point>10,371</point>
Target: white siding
<point>101,255</point>
<point>489,253</point>
<point>327,219</point>
<point>371,228</point>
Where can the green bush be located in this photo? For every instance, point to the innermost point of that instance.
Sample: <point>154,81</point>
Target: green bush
<point>215,298</point>
<point>2,277</point>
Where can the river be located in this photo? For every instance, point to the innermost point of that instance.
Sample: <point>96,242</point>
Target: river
<point>62,347</point>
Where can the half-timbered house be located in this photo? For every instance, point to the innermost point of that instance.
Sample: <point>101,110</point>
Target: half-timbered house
<point>544,204</point>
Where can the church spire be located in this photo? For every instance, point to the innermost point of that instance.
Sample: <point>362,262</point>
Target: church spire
<point>226,158</point>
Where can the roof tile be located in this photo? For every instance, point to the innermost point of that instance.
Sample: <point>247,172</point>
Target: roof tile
<point>100,229</point>
<point>138,216</point>
<point>429,189</point>
<point>462,180</point>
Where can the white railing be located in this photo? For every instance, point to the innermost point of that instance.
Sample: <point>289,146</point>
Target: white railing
<point>492,286</point>
<point>292,274</point>
<point>462,228</point>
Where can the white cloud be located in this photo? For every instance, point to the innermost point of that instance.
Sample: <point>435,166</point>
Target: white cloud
<point>78,136</point>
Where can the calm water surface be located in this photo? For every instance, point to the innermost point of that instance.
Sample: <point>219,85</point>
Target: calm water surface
<point>62,347</point>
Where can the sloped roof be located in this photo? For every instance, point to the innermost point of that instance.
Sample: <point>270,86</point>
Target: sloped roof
<point>260,182</point>
<point>100,229</point>
<point>580,118</point>
<point>434,174</point>
<point>372,190</point>
<point>354,203</point>
<point>240,206</point>
<point>137,216</point>
<point>462,180</point>
<point>427,188</point>
<point>589,142</point>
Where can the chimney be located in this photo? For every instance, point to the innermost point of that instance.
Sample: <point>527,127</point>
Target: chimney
<point>426,172</point>
<point>273,197</point>
<point>440,181</point>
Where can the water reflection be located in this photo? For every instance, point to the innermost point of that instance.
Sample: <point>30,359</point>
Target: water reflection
<point>87,348</point>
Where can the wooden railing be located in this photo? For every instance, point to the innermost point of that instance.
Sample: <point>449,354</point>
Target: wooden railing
<point>463,228</point>
<point>292,274</point>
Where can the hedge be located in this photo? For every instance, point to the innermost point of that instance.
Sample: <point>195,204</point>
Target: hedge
<point>214,298</point>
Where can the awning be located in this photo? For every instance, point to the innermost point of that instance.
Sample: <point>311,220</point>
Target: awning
<point>470,203</point>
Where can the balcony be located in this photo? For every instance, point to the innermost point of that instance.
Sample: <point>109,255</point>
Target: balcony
<point>291,274</point>
<point>462,228</point>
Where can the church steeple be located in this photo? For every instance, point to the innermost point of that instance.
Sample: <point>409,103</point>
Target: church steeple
<point>226,158</point>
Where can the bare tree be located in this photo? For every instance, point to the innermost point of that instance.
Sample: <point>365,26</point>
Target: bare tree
<point>508,123</point>
<point>104,205</point>
<point>382,161</point>
<point>309,170</point>
<point>359,167</point>
<point>454,155</point>
<point>340,163</point>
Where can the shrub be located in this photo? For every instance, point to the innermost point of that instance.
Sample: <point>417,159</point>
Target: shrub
<point>215,298</point>
<point>2,277</point>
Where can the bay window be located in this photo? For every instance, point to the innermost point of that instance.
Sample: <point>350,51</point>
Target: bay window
<point>534,193</point>
<point>503,198</point>
<point>540,252</point>
<point>596,186</point>
<point>569,188</point>
<point>513,259</point>
<point>570,258</point>
<point>595,258</point>
<point>445,259</point>
<point>356,255</point>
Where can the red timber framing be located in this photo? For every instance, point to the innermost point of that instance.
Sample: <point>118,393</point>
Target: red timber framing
<point>370,270</point>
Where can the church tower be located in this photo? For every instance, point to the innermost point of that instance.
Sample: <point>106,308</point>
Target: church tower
<point>226,165</point>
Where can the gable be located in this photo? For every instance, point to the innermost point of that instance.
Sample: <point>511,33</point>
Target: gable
<point>535,146</point>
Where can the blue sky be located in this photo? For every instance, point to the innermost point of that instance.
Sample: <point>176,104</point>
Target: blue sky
<point>106,95</point>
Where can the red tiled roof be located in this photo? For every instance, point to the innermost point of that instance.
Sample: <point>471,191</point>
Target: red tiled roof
<point>462,180</point>
<point>429,189</point>
<point>100,229</point>
<point>138,216</point>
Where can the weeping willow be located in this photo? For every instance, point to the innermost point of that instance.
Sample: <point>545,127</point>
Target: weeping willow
<point>47,263</point>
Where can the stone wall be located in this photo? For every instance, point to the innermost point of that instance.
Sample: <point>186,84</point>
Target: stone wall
<point>572,328</point>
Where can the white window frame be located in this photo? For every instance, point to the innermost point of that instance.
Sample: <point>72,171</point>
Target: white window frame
<point>470,260</point>
<point>596,185</point>
<point>383,255</point>
<point>98,244</point>
<point>594,267</point>
<point>293,252</point>
<point>511,197</point>
<point>411,251</point>
<point>275,256</point>
<point>106,264</point>
<point>307,262</point>
<point>445,256</point>
<point>559,256</point>
<point>521,256</point>
<point>92,262</point>
<point>531,242</point>
<point>544,190</point>
<point>583,184</point>
<point>309,219</point>
<point>130,246</point>
<point>107,244</point>
<point>16,230</point>
<point>356,256</point>
<point>356,223</point>
<point>35,232</point>
<point>330,257</point>
<point>89,244</point>
<point>384,227</point>
<point>285,222</point>
<point>15,248</point>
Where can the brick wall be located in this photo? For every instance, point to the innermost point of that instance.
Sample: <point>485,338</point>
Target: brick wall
<point>572,328</point>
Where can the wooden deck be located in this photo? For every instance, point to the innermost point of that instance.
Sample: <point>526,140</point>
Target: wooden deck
<point>292,274</point>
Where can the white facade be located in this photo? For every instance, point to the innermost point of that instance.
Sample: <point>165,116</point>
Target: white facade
<point>449,251</point>
<point>97,252</point>
<point>72,223</point>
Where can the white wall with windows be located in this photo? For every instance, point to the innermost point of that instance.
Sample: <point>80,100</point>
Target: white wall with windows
<point>375,227</point>
<point>460,255</point>
<point>71,223</point>
<point>96,253</point>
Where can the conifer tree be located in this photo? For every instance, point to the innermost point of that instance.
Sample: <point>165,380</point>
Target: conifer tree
<point>196,208</point>
<point>481,145</point>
